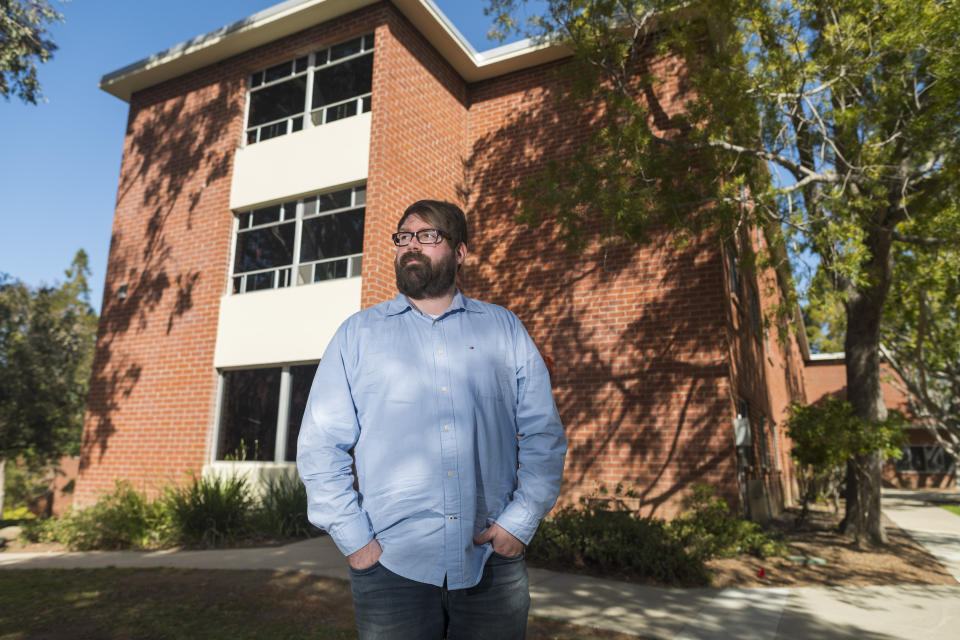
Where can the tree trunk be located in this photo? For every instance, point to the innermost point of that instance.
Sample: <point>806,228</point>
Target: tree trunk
<point>3,471</point>
<point>862,348</point>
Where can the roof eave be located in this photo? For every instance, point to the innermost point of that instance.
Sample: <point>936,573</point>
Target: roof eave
<point>294,15</point>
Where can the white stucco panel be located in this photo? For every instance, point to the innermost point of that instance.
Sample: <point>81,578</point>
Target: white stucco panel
<point>278,326</point>
<point>301,163</point>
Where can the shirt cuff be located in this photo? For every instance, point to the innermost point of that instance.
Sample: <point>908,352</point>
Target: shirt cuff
<point>518,522</point>
<point>353,535</point>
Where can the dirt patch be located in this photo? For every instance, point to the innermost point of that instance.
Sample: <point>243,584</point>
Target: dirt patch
<point>818,556</point>
<point>901,561</point>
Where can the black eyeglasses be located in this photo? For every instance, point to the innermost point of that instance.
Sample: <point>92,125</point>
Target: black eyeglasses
<point>424,236</point>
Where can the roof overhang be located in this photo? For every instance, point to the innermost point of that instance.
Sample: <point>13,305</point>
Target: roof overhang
<point>295,15</point>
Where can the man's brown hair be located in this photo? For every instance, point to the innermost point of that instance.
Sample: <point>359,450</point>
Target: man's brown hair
<point>445,216</point>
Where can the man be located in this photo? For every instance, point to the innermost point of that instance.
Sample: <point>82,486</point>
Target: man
<point>457,445</point>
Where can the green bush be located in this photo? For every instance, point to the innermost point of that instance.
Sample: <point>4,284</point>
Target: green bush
<point>283,508</point>
<point>209,510</point>
<point>708,530</point>
<point>121,519</point>
<point>591,536</point>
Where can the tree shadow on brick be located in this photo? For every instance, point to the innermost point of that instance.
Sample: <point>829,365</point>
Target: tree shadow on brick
<point>175,149</point>
<point>637,334</point>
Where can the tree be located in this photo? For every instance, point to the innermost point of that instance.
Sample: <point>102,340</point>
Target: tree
<point>826,435</point>
<point>921,333</point>
<point>46,349</point>
<point>24,42</point>
<point>833,121</point>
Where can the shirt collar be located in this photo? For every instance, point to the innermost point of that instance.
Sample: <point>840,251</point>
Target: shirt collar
<point>460,302</point>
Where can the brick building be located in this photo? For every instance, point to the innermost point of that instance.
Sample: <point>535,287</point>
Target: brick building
<point>264,167</point>
<point>924,462</point>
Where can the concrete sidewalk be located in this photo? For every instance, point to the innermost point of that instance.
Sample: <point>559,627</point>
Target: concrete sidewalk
<point>871,613</point>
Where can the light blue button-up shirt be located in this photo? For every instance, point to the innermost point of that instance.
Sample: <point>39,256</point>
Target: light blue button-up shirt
<point>453,427</point>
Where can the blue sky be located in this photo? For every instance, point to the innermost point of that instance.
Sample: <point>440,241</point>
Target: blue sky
<point>60,160</point>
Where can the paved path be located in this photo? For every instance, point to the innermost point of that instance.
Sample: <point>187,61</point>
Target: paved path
<point>865,613</point>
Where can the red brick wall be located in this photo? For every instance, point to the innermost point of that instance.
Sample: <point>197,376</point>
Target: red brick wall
<point>826,378</point>
<point>417,137</point>
<point>153,391</point>
<point>636,334</point>
<point>767,366</point>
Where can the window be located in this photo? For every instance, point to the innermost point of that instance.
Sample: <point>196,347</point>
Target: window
<point>762,432</point>
<point>755,319</point>
<point>926,459</point>
<point>732,264</point>
<point>311,90</point>
<point>317,238</point>
<point>260,413</point>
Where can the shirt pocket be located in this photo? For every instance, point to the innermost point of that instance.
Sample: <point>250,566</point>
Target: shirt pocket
<point>487,372</point>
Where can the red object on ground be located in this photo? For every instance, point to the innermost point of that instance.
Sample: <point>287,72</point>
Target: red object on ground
<point>761,573</point>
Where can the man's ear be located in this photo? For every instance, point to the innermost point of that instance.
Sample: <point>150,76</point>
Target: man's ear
<point>461,253</point>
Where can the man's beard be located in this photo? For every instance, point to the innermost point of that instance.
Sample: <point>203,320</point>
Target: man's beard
<point>418,277</point>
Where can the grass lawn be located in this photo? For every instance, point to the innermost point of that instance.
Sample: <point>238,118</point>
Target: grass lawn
<point>194,604</point>
<point>952,508</point>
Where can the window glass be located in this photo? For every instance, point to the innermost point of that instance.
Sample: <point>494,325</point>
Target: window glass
<point>338,82</point>
<point>277,101</point>
<point>278,71</point>
<point>335,200</point>
<point>330,270</point>
<point>266,214</point>
<point>301,377</point>
<point>264,248</point>
<point>925,459</point>
<point>340,111</point>
<point>248,414</point>
<point>330,236</point>
<point>345,49</point>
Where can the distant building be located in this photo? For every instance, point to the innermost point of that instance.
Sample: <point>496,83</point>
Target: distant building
<point>265,166</point>
<point>924,462</point>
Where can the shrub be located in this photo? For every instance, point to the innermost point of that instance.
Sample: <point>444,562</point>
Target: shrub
<point>827,435</point>
<point>209,511</point>
<point>708,530</point>
<point>593,537</point>
<point>121,519</point>
<point>283,508</point>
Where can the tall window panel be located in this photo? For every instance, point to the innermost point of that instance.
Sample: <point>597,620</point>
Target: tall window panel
<point>248,414</point>
<point>260,414</point>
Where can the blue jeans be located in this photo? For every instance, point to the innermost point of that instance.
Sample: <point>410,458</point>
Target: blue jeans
<point>389,607</point>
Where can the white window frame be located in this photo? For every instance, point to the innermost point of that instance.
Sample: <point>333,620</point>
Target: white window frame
<point>280,278</point>
<point>362,101</point>
<point>283,414</point>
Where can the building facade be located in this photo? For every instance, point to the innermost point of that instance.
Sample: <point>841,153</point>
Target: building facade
<point>264,168</point>
<point>923,463</point>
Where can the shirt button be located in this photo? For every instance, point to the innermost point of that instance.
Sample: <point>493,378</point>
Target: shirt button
<point>449,474</point>
<point>443,388</point>
<point>446,427</point>
<point>440,352</point>
<point>452,517</point>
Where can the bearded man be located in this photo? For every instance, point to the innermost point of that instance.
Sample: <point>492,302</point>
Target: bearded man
<point>458,449</point>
